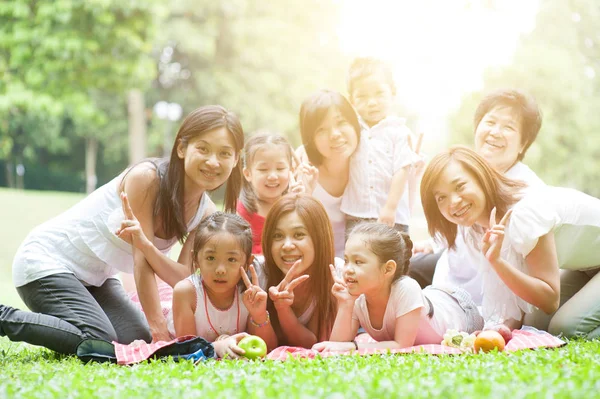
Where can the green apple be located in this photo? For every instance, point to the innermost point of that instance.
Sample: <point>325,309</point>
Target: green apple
<point>253,346</point>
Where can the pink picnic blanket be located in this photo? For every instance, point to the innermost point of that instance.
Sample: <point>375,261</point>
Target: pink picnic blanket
<point>522,339</point>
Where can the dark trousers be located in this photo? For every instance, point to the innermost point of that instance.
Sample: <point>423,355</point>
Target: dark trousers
<point>422,267</point>
<point>64,312</point>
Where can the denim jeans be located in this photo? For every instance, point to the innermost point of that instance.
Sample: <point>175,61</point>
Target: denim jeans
<point>64,312</point>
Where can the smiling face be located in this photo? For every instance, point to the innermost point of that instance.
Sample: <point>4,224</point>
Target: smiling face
<point>335,138</point>
<point>208,159</point>
<point>291,242</point>
<point>219,262</point>
<point>498,137</point>
<point>363,272</point>
<point>269,172</point>
<point>372,97</point>
<point>459,197</point>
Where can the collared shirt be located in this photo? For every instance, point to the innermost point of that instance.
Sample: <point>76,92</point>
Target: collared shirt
<point>383,150</point>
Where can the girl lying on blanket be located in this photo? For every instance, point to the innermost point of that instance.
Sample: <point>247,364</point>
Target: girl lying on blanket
<point>376,293</point>
<point>208,303</point>
<point>298,246</point>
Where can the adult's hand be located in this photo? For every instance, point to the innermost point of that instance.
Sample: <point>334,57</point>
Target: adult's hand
<point>494,237</point>
<point>282,295</point>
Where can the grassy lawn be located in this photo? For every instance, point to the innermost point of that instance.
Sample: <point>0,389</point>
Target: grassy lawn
<point>31,372</point>
<point>569,372</point>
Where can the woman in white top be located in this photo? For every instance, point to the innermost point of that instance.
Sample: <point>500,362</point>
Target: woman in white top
<point>376,293</point>
<point>65,270</point>
<point>330,134</point>
<point>506,122</point>
<point>549,229</point>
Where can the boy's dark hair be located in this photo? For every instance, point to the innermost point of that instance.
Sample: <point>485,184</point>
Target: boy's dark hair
<point>522,103</point>
<point>362,67</point>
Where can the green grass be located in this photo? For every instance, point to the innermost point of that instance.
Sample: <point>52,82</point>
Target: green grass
<point>569,372</point>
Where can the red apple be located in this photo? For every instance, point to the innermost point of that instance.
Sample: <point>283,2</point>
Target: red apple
<point>502,330</point>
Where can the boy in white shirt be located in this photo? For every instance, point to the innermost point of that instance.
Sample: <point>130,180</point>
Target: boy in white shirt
<point>379,170</point>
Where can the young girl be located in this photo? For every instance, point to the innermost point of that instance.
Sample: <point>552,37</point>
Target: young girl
<point>375,293</point>
<point>298,247</point>
<point>207,303</point>
<point>521,254</point>
<point>268,174</point>
<point>66,269</point>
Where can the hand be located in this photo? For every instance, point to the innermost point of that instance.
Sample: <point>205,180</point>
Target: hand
<point>494,236</point>
<point>295,186</point>
<point>228,347</point>
<point>330,346</point>
<point>418,167</point>
<point>160,332</point>
<point>387,216</point>
<point>308,176</point>
<point>300,156</point>
<point>340,289</point>
<point>130,230</point>
<point>283,294</point>
<point>254,298</point>
<point>424,247</point>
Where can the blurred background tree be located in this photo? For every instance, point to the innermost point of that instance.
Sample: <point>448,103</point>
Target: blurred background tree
<point>558,62</point>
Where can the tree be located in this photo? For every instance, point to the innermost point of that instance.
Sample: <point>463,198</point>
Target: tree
<point>59,58</point>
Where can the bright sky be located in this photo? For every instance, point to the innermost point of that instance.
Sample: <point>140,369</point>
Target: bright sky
<point>438,48</point>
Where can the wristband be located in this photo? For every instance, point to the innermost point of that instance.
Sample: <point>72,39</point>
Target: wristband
<point>264,323</point>
<point>355,344</point>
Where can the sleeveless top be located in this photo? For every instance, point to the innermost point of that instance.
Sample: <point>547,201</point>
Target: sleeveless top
<point>336,217</point>
<point>82,241</point>
<point>211,322</point>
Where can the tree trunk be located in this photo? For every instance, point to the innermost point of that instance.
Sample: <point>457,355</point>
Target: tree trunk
<point>137,126</point>
<point>10,173</point>
<point>91,154</point>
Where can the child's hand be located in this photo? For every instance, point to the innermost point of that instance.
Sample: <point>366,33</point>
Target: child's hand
<point>283,294</point>
<point>228,348</point>
<point>330,346</point>
<point>295,186</point>
<point>424,247</point>
<point>130,230</point>
<point>308,176</point>
<point>255,298</point>
<point>340,289</point>
<point>387,216</point>
<point>494,236</point>
<point>418,167</point>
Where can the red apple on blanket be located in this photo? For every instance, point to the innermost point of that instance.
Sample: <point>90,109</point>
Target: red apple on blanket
<point>253,346</point>
<point>502,330</point>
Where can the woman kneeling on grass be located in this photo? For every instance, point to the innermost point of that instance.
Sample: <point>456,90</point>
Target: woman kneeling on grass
<point>524,238</point>
<point>207,303</point>
<point>66,269</point>
<point>375,293</point>
<point>298,246</point>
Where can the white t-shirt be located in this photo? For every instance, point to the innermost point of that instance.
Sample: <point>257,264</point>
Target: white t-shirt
<point>573,217</point>
<point>336,217</point>
<point>459,267</point>
<point>406,295</point>
<point>383,150</point>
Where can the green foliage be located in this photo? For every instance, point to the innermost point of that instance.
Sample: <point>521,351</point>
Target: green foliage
<point>558,62</point>
<point>568,372</point>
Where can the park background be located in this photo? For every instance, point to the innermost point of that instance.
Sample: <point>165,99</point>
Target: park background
<point>88,87</point>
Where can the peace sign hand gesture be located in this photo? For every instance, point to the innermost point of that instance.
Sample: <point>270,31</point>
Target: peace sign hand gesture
<point>254,298</point>
<point>282,295</point>
<point>130,230</point>
<point>418,167</point>
<point>494,236</point>
<point>340,289</point>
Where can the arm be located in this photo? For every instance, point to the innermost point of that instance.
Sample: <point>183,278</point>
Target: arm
<point>255,300</point>
<point>345,327</point>
<point>388,212</point>
<point>541,287</point>
<point>184,306</point>
<point>295,332</point>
